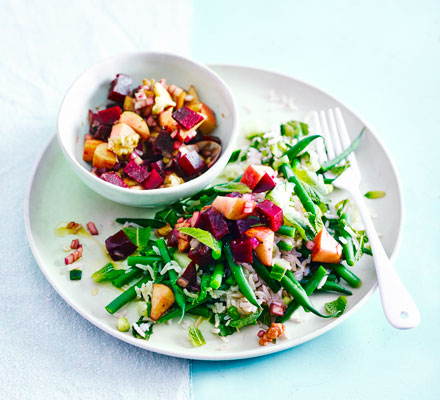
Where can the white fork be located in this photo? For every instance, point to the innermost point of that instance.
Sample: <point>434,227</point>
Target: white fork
<point>398,306</point>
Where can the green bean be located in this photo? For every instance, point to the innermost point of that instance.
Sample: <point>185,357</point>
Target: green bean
<point>284,246</point>
<point>217,275</point>
<point>331,163</point>
<point>125,297</point>
<point>264,273</point>
<point>178,293</point>
<point>347,247</point>
<point>231,280</point>
<point>286,231</point>
<point>144,222</point>
<point>300,146</point>
<point>176,312</point>
<point>242,282</point>
<point>330,286</point>
<point>202,311</point>
<point>293,287</point>
<point>144,260</point>
<point>309,288</point>
<point>345,274</point>
<point>128,275</point>
<point>305,199</point>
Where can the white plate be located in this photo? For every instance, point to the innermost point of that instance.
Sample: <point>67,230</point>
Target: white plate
<point>56,195</point>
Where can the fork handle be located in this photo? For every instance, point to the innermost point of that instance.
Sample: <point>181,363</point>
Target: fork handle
<point>399,308</point>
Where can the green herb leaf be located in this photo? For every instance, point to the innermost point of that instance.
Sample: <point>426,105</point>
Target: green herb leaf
<point>338,170</point>
<point>107,273</point>
<point>139,236</point>
<point>233,312</point>
<point>195,336</point>
<point>234,156</point>
<point>233,187</point>
<point>206,238</point>
<point>250,319</point>
<point>314,188</point>
<point>204,285</point>
<point>292,218</point>
<point>331,163</point>
<point>375,194</point>
<point>336,306</point>
<point>148,332</point>
<point>265,317</point>
<point>168,215</point>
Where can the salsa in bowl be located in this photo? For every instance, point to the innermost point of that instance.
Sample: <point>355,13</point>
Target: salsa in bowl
<point>143,140</point>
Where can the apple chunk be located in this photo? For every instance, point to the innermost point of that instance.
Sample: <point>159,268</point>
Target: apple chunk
<point>210,121</point>
<point>162,298</point>
<point>234,207</point>
<point>90,146</point>
<point>326,249</point>
<point>266,237</point>
<point>136,122</point>
<point>103,157</point>
<point>254,174</point>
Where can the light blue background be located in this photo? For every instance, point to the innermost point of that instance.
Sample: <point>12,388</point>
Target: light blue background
<point>382,58</point>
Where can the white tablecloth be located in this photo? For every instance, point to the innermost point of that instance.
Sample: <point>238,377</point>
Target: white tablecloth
<point>47,350</point>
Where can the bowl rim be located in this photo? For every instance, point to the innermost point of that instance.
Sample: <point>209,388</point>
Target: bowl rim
<point>210,174</point>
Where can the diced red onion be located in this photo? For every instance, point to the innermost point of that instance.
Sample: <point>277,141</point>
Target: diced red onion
<point>310,245</point>
<point>92,228</point>
<point>261,333</point>
<point>277,308</point>
<point>72,257</point>
<point>74,244</point>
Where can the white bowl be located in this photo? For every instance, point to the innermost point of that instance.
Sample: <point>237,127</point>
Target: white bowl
<point>90,90</point>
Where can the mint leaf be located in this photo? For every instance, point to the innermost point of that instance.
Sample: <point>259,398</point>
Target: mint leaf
<point>250,319</point>
<point>337,306</point>
<point>206,238</point>
<point>139,236</point>
<point>233,187</point>
<point>195,336</point>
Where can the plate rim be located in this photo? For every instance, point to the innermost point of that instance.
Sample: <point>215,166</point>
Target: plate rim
<point>185,353</point>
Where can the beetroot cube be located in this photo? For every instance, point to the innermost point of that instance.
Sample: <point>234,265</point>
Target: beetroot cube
<point>195,220</point>
<point>94,121</point>
<point>242,250</point>
<point>159,167</point>
<point>113,178</point>
<point>103,132</point>
<point>163,143</point>
<point>214,222</point>
<point>189,277</point>
<point>271,214</point>
<point>240,226</point>
<point>172,238</point>
<point>187,117</point>
<point>136,172</point>
<point>153,181</point>
<point>119,88</point>
<point>119,246</point>
<point>191,162</point>
<point>201,255</point>
<point>266,183</point>
<point>110,115</point>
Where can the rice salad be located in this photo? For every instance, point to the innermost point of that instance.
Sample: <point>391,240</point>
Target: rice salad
<point>250,251</point>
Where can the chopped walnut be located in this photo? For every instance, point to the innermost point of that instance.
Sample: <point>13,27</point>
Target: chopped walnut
<point>164,231</point>
<point>275,331</point>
